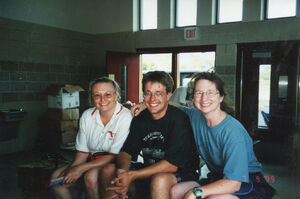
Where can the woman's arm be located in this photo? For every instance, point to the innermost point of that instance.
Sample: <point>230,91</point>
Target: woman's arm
<point>219,187</point>
<point>69,174</point>
<point>138,108</point>
<point>223,186</point>
<point>79,166</point>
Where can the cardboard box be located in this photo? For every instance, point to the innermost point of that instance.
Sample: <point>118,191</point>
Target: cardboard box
<point>63,96</point>
<point>63,114</point>
<point>68,136</point>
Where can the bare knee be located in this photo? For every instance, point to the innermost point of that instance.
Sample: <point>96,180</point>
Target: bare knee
<point>174,192</point>
<point>178,190</point>
<point>108,170</point>
<point>158,180</point>
<point>54,175</point>
<point>58,172</point>
<point>91,178</point>
<point>162,181</point>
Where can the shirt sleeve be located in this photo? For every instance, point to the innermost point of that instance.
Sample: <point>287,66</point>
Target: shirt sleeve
<point>81,143</point>
<point>132,145</point>
<point>121,133</point>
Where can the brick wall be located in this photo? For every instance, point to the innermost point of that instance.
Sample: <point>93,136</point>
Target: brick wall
<point>34,56</point>
<point>24,81</point>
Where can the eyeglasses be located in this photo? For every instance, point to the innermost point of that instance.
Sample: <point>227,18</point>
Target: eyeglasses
<point>107,95</point>
<point>209,94</point>
<point>157,94</point>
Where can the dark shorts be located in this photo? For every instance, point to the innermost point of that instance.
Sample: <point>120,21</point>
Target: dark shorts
<point>257,188</point>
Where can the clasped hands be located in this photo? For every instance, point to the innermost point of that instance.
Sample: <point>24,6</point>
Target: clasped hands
<point>122,183</point>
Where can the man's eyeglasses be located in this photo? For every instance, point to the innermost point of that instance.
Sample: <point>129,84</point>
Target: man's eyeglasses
<point>107,95</point>
<point>209,94</point>
<point>157,94</point>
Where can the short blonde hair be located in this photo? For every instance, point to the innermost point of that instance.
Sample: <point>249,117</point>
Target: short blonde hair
<point>104,80</point>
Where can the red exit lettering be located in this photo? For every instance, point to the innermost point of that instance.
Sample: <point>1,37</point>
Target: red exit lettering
<point>190,33</point>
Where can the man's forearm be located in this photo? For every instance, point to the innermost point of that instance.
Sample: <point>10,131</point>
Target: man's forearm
<point>162,166</point>
<point>97,163</point>
<point>79,158</point>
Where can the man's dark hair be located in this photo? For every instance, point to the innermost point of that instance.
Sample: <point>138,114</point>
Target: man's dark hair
<point>161,77</point>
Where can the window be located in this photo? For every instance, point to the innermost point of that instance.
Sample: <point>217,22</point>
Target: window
<point>148,13</point>
<point>160,61</point>
<point>151,62</point>
<point>190,63</point>
<point>264,90</point>
<point>186,13</point>
<point>180,62</point>
<point>230,11</point>
<point>280,8</point>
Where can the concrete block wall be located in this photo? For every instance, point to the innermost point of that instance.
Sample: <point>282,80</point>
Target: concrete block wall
<point>31,58</point>
<point>27,81</point>
<point>226,68</point>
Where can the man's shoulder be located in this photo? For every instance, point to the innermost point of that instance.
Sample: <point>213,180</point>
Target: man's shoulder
<point>176,112</point>
<point>142,116</point>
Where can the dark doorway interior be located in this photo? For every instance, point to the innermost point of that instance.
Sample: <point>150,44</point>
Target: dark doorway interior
<point>268,92</point>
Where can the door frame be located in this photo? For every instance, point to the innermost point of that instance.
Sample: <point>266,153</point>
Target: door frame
<point>284,50</point>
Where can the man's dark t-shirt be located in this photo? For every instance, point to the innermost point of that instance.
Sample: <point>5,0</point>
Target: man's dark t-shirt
<point>169,138</point>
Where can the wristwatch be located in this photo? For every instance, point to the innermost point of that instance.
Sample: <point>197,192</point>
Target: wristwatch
<point>198,192</point>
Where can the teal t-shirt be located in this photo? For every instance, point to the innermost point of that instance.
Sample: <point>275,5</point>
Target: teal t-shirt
<point>226,148</point>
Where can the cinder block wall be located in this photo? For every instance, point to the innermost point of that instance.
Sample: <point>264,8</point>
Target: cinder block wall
<point>31,58</point>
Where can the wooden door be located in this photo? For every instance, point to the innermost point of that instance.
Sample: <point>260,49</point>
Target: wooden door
<point>114,63</point>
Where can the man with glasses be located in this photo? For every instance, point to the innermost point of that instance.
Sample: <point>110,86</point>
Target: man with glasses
<point>163,135</point>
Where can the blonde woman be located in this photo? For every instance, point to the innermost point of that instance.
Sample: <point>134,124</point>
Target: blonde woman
<point>102,132</point>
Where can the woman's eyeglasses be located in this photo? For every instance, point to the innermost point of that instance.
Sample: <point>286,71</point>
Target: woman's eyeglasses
<point>107,95</point>
<point>208,94</point>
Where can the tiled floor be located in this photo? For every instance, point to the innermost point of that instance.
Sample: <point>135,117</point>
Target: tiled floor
<point>285,179</point>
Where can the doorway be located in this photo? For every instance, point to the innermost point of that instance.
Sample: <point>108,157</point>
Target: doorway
<point>267,88</point>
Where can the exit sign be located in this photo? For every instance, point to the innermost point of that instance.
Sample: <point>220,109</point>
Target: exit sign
<point>191,33</point>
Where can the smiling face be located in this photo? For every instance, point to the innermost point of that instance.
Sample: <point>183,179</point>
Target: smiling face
<point>156,99</point>
<point>104,96</point>
<point>207,98</point>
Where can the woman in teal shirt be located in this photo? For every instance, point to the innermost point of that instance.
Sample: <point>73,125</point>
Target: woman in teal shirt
<point>225,146</point>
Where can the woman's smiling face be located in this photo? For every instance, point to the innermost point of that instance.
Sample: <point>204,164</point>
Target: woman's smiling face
<point>104,96</point>
<point>207,98</point>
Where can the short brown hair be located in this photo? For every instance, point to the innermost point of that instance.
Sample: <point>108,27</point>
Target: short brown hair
<point>161,77</point>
